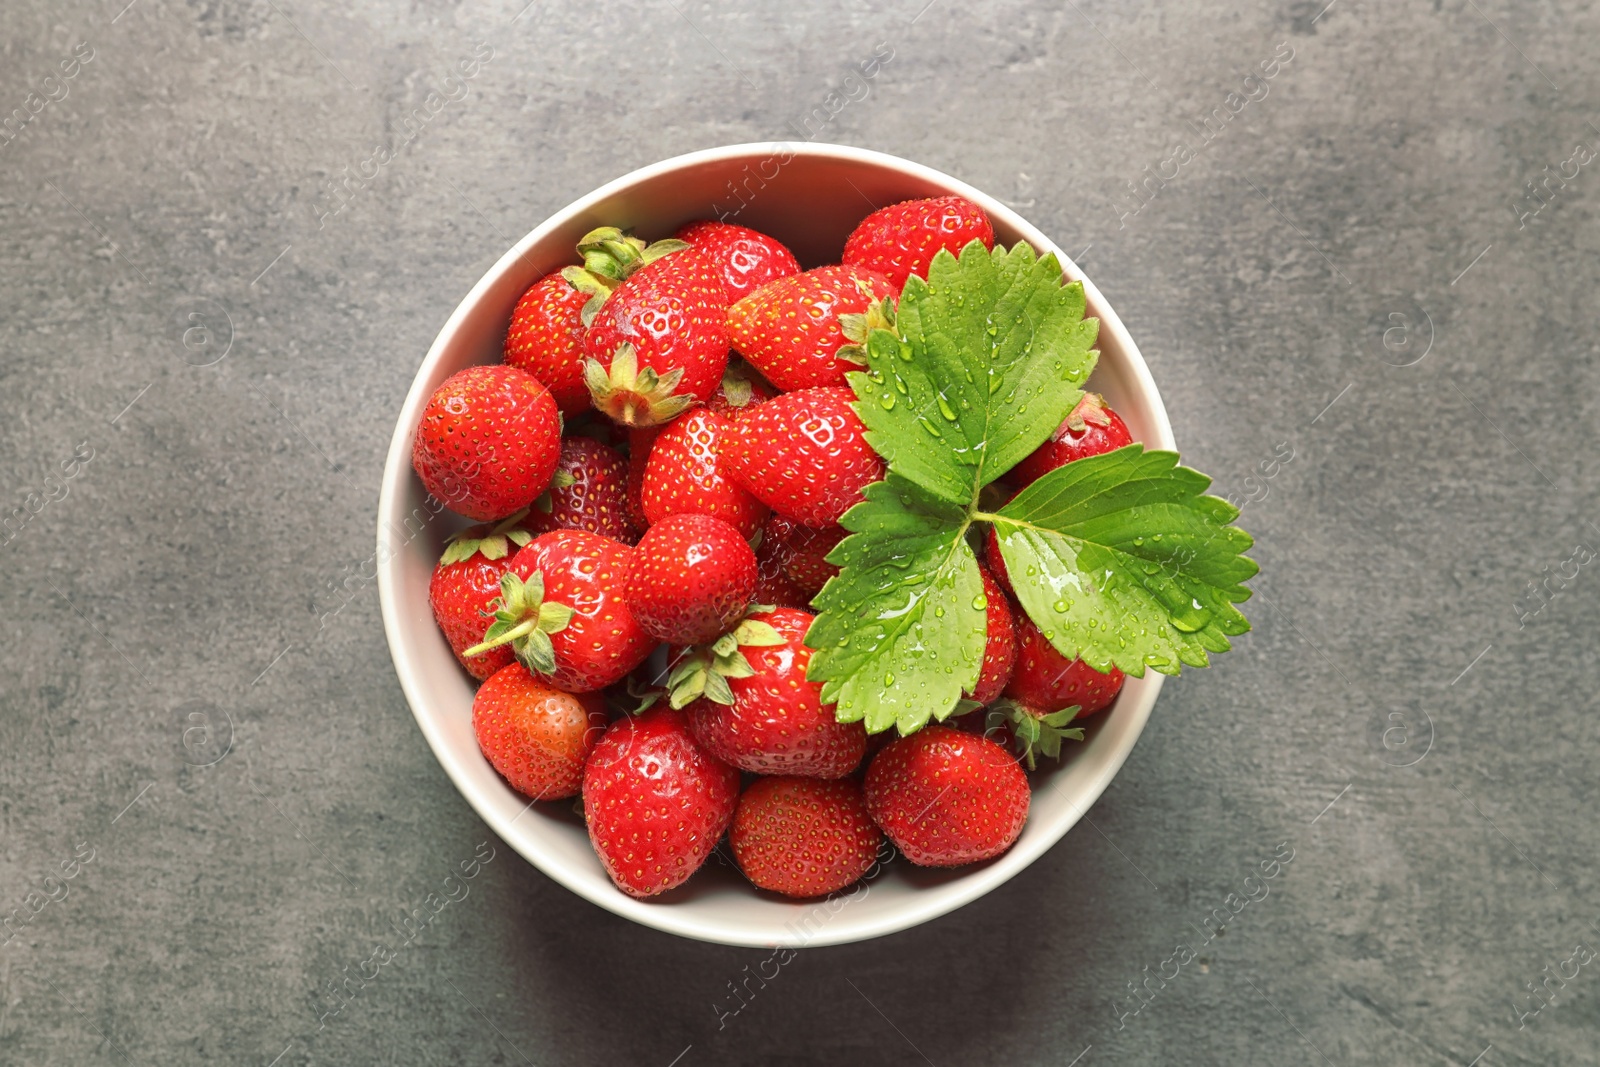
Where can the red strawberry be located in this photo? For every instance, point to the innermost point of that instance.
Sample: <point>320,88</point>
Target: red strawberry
<point>562,612</point>
<point>546,340</point>
<point>535,735</point>
<point>1090,430</point>
<point>466,581</point>
<point>996,562</point>
<point>687,474</point>
<point>1000,643</point>
<point>1046,681</point>
<point>656,802</point>
<point>488,441</point>
<point>771,720</point>
<point>902,239</point>
<point>692,578</point>
<point>773,584</point>
<point>748,260</point>
<point>803,837</point>
<point>640,441</point>
<point>946,797</point>
<point>588,492</point>
<point>805,556</point>
<point>807,330</point>
<point>804,454</point>
<point>659,343</point>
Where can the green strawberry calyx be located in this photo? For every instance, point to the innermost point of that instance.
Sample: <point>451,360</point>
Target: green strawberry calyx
<point>524,619</point>
<point>704,671</point>
<point>1039,735</point>
<point>491,542</point>
<point>634,397</point>
<point>609,256</point>
<point>858,326</point>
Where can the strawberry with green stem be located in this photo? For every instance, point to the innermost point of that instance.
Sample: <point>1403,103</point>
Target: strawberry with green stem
<point>657,338</point>
<point>807,330</point>
<point>562,611</point>
<point>466,581</point>
<point>751,705</point>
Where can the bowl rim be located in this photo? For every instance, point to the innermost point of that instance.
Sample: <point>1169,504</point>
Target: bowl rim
<point>928,903</point>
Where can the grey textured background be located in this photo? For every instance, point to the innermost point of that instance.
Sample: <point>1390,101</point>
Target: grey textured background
<point>207,560</point>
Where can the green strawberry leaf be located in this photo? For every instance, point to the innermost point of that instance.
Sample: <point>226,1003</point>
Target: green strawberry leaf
<point>985,359</point>
<point>901,632</point>
<point>1120,559</point>
<point>1123,561</point>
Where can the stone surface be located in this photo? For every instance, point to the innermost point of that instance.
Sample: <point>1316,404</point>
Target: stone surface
<point>1425,748</point>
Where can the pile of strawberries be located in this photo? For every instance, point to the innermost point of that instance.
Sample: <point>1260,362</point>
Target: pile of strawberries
<point>639,489</point>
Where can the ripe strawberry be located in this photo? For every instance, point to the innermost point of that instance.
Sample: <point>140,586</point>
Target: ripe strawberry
<point>805,556</point>
<point>1046,681</point>
<point>1000,643</point>
<point>772,720</point>
<point>656,802</point>
<point>561,610</point>
<point>996,562</point>
<point>659,343</point>
<point>773,584</point>
<point>488,441</point>
<point>640,441</point>
<point>535,735</point>
<point>546,340</point>
<point>807,330</point>
<point>803,837</point>
<point>902,239</point>
<point>1090,430</point>
<point>692,578</point>
<point>588,492</point>
<point>747,259</point>
<point>466,581</point>
<point>946,797</point>
<point>687,474</point>
<point>804,454</point>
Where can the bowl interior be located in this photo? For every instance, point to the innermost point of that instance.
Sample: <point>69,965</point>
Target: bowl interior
<point>809,197</point>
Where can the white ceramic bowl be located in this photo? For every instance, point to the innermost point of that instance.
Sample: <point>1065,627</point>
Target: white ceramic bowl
<point>809,196</point>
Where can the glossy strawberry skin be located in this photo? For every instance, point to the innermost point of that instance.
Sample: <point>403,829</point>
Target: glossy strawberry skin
<point>691,580</point>
<point>1045,681</point>
<point>535,735</point>
<point>747,259</point>
<point>640,441</point>
<point>460,594</point>
<point>946,797</point>
<point>674,312</point>
<point>656,803</point>
<point>687,474</point>
<point>586,571</point>
<point>488,441</point>
<point>777,723</point>
<point>789,329</point>
<point>804,454</point>
<point>1000,642</point>
<point>902,239</point>
<point>597,499</point>
<point>1092,429</point>
<point>545,339</point>
<point>804,837</point>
